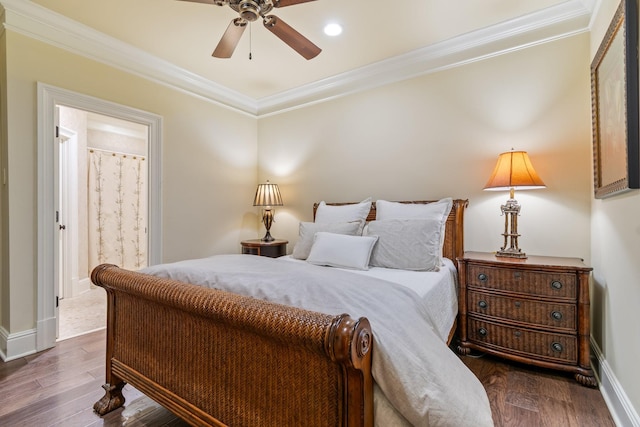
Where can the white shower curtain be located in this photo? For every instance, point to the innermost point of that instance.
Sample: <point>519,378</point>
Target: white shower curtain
<point>117,211</point>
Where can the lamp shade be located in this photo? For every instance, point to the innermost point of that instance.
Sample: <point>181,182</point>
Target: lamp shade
<point>514,170</point>
<point>267,195</point>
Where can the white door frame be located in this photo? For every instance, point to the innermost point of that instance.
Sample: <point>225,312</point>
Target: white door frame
<point>48,245</point>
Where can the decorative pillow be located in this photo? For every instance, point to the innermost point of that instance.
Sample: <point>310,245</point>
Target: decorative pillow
<point>343,213</point>
<point>340,250</point>
<point>307,231</point>
<point>437,210</point>
<point>407,244</point>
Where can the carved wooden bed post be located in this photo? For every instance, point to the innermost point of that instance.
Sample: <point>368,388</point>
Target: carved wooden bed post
<point>113,398</point>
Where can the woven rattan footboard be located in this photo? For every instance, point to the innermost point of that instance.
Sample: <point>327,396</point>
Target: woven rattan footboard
<point>217,358</point>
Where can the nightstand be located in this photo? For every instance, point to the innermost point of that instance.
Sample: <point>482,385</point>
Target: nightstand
<point>534,311</point>
<point>272,249</point>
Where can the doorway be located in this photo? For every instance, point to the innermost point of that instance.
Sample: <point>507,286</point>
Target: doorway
<point>49,197</point>
<point>102,210</point>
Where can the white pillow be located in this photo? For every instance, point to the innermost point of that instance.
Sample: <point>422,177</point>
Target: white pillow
<point>437,210</point>
<point>395,210</point>
<point>343,213</point>
<point>340,250</point>
<point>307,231</point>
<point>407,244</point>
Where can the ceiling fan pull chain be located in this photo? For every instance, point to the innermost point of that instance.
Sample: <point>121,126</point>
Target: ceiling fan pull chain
<point>250,39</point>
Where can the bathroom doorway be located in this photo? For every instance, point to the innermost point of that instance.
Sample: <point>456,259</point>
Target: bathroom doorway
<point>103,191</point>
<point>51,224</point>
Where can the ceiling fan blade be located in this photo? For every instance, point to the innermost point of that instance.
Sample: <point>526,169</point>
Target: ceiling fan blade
<point>294,39</point>
<point>283,3</point>
<point>202,1</point>
<point>230,38</point>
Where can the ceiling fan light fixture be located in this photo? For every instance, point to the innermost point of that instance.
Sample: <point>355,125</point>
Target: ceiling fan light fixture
<point>249,10</point>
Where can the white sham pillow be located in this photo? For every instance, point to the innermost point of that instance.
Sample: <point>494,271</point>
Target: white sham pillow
<point>307,231</point>
<point>437,210</point>
<point>396,210</point>
<point>343,213</point>
<point>340,250</point>
<point>407,244</point>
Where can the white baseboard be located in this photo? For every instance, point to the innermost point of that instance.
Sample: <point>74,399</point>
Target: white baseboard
<point>14,346</point>
<point>79,286</point>
<point>620,407</point>
<point>83,285</point>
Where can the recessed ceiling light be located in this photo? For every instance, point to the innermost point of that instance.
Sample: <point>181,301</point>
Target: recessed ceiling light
<point>332,29</point>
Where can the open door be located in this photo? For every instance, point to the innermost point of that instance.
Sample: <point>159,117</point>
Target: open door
<point>66,216</point>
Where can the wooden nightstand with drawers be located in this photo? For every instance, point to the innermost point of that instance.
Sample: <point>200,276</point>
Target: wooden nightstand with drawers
<point>533,310</point>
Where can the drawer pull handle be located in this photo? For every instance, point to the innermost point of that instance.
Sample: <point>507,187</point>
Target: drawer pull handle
<point>482,332</point>
<point>556,346</point>
<point>482,277</point>
<point>518,334</point>
<point>556,315</point>
<point>482,304</point>
<point>518,304</point>
<point>556,284</point>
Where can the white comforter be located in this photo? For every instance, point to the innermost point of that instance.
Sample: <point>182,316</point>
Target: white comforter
<point>419,376</point>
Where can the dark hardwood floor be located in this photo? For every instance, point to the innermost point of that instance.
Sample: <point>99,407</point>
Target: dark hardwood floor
<point>522,395</point>
<point>58,387</point>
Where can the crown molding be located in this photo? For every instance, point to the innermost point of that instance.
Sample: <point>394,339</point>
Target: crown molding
<point>34,21</point>
<point>563,20</point>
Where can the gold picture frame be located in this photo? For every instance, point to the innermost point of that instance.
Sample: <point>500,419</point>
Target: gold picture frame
<point>614,105</point>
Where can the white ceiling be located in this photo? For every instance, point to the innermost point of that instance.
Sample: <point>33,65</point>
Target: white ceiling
<point>381,40</point>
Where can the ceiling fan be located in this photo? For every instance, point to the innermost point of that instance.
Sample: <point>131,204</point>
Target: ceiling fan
<point>250,11</point>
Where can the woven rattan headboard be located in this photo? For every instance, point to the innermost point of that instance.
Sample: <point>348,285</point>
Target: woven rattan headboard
<point>454,232</point>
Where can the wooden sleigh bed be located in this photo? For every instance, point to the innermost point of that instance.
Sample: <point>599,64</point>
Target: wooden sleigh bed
<point>217,358</point>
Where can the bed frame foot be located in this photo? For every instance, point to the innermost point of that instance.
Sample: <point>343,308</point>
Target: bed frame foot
<point>112,399</point>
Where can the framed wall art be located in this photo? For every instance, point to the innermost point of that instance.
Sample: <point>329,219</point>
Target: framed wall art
<point>614,105</point>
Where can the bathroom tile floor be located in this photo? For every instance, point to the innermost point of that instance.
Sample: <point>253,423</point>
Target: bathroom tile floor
<point>84,313</point>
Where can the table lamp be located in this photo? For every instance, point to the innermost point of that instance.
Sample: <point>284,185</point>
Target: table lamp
<point>267,196</point>
<point>513,171</point>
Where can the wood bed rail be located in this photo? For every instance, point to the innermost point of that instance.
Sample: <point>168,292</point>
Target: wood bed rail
<point>217,358</point>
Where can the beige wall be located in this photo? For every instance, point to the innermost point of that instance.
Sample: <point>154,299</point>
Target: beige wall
<point>615,251</point>
<point>209,165</point>
<point>439,135</point>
